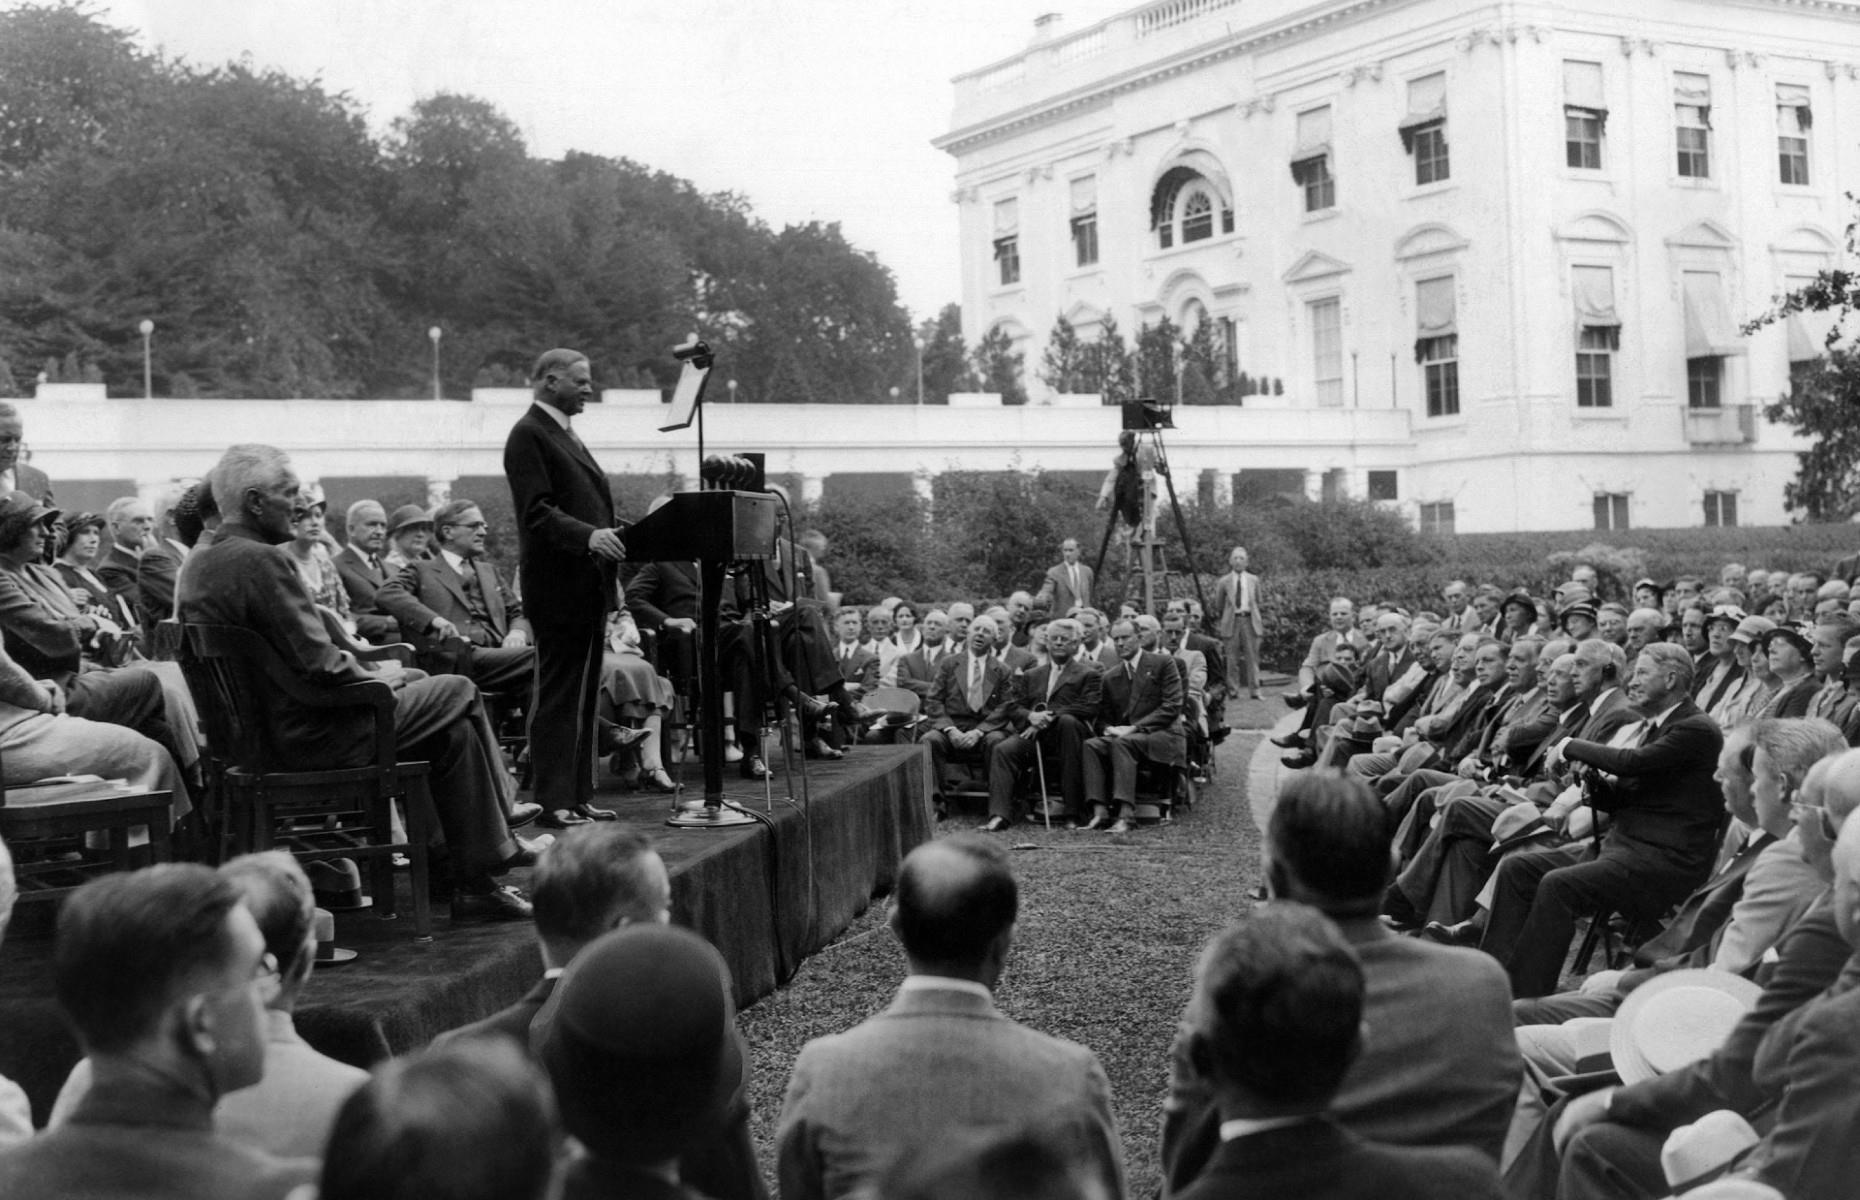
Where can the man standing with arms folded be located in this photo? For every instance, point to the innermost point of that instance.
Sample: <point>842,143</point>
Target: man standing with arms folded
<point>569,551</point>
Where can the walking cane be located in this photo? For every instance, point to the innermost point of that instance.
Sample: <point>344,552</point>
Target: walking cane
<point>1039,762</point>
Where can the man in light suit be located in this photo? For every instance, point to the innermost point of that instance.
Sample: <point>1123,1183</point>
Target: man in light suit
<point>569,552</point>
<point>359,563</point>
<point>1276,1019</point>
<point>1051,715</point>
<point>1235,616</point>
<point>1068,582</point>
<point>941,1060</point>
<point>592,880</point>
<point>967,704</point>
<point>1140,714</point>
<point>1440,1064</point>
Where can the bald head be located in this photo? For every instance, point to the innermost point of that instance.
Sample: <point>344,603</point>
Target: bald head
<point>955,907</point>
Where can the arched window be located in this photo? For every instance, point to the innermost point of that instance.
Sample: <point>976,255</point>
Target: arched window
<point>1183,207</point>
<point>1197,215</point>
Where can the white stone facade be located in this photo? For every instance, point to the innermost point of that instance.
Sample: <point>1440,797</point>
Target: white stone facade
<point>1509,256</point>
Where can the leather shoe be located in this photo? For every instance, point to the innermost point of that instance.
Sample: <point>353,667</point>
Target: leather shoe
<point>1294,740</point>
<point>522,813</point>
<point>562,818</point>
<point>993,825</point>
<point>1122,825</point>
<point>813,707</point>
<point>499,904</point>
<point>1293,699</point>
<point>754,768</point>
<point>1100,819</point>
<point>1464,933</point>
<point>818,748</point>
<point>657,781</point>
<point>596,814</point>
<point>1299,762</point>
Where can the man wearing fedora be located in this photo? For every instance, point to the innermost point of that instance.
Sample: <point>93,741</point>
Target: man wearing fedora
<point>1667,810</point>
<point>941,1058</point>
<point>1276,1020</point>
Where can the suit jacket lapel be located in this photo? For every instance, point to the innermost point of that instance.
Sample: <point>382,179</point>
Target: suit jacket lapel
<point>493,599</point>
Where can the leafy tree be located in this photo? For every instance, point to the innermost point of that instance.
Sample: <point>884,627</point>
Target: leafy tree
<point>1109,368</point>
<point>998,366</point>
<point>946,359</point>
<point>66,82</point>
<point>1823,401</point>
<point>1156,359</point>
<point>1065,362</point>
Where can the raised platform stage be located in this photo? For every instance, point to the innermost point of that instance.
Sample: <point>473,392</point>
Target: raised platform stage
<point>746,890</point>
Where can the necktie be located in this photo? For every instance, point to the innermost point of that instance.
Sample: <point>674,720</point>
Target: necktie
<point>1078,595</point>
<point>977,697</point>
<point>1052,679</point>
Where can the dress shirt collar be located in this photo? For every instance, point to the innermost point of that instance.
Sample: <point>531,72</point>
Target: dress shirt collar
<point>1660,720</point>
<point>944,983</point>
<point>130,551</point>
<point>1241,1127</point>
<point>555,414</point>
<point>454,561</point>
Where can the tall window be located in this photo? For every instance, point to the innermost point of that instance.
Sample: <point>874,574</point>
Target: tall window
<point>1007,241</point>
<point>1598,335</point>
<point>1720,509</point>
<point>1311,160</point>
<point>1437,517</point>
<point>1792,125</point>
<point>1424,129</point>
<point>1327,351</point>
<point>1692,124</point>
<point>1704,382</point>
<point>1710,337</point>
<point>1611,510</point>
<point>1085,220</point>
<point>1585,115</point>
<point>1437,345</point>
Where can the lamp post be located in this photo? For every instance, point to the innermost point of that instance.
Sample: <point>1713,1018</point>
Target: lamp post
<point>435,334</point>
<point>732,387</point>
<point>147,329</point>
<point>894,395</point>
<point>919,343</point>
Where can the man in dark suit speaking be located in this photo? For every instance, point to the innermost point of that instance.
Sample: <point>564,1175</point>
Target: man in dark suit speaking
<point>569,550</point>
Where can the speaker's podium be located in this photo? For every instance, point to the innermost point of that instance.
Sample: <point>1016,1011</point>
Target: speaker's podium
<point>714,529</point>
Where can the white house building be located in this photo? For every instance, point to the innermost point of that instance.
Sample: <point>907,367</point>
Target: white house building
<point>1527,233</point>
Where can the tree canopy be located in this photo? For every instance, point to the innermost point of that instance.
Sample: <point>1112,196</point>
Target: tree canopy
<point>282,249</point>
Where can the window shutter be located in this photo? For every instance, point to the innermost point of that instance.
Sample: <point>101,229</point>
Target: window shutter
<point>1427,105</point>
<point>1084,196</point>
<point>1435,311</point>
<point>1694,91</point>
<point>1007,218</point>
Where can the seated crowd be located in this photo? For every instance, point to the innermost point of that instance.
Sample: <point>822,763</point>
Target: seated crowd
<point>1669,773</point>
<point>1675,773</point>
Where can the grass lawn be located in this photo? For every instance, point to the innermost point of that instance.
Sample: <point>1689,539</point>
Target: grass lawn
<point>1109,930</point>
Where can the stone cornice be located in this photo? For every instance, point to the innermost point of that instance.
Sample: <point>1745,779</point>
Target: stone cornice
<point>1100,93</point>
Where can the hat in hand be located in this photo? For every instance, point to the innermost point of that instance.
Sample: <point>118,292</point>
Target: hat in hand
<point>1517,825</point>
<point>1676,1019</point>
<point>1707,1148</point>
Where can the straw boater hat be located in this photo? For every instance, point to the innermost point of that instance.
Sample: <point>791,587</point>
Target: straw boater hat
<point>1676,1019</point>
<point>1700,1152</point>
<point>1522,822</point>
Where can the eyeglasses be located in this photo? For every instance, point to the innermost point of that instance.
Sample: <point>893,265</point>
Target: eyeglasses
<point>1826,819</point>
